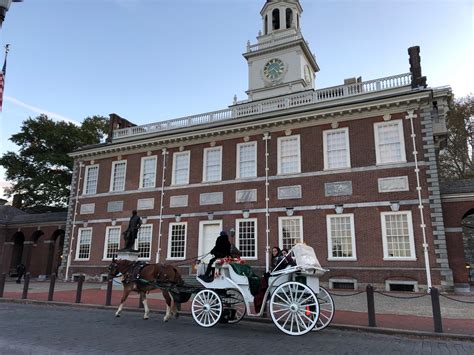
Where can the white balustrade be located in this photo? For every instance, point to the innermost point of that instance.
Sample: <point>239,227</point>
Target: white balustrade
<point>270,105</point>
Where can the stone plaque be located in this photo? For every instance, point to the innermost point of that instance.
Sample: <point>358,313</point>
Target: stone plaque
<point>399,183</point>
<point>146,204</point>
<point>115,206</point>
<point>245,196</point>
<point>88,208</point>
<point>289,192</point>
<point>342,188</point>
<point>212,198</point>
<point>179,201</point>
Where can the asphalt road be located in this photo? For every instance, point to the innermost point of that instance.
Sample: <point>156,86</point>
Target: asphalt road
<point>45,329</point>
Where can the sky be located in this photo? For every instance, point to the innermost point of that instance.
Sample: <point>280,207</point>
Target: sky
<point>154,60</point>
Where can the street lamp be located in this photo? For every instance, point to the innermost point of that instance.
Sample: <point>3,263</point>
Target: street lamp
<point>4,6</point>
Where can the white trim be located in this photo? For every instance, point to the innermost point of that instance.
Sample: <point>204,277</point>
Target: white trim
<point>112,175</point>
<point>401,137</point>
<point>142,165</point>
<point>201,231</point>
<point>173,175</point>
<point>410,236</point>
<point>280,229</point>
<point>170,229</point>
<point>79,237</point>
<point>237,239</point>
<point>279,142</point>
<point>329,238</point>
<point>204,165</point>
<point>348,149</point>
<point>106,241</point>
<point>237,163</point>
<point>86,179</point>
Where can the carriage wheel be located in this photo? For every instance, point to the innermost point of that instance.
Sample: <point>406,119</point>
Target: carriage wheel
<point>294,308</point>
<point>234,300</point>
<point>207,308</point>
<point>326,309</point>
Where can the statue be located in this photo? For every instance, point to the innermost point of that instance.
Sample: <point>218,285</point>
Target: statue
<point>132,231</point>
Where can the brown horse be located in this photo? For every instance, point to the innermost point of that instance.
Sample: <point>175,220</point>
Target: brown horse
<point>152,276</point>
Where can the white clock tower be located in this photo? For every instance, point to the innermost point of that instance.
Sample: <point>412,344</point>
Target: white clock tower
<point>281,61</point>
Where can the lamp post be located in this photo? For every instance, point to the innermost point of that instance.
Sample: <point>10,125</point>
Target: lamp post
<point>4,6</point>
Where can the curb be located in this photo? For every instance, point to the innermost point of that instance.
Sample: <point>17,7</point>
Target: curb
<point>347,327</point>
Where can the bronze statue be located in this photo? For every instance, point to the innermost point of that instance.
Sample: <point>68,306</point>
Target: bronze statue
<point>132,231</point>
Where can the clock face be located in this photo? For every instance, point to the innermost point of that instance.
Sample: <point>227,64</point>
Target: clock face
<point>308,76</point>
<point>273,69</point>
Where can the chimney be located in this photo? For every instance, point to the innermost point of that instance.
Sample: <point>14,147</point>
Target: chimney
<point>17,201</point>
<point>3,201</point>
<point>417,80</point>
<point>117,122</point>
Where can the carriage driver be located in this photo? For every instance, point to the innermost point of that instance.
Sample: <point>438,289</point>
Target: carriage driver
<point>220,250</point>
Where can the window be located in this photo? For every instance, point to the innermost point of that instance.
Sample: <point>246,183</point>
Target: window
<point>212,164</point>
<point>246,238</point>
<point>247,160</point>
<point>83,250</point>
<point>276,19</point>
<point>289,155</point>
<point>112,242</point>
<point>90,180</point>
<point>341,237</point>
<point>290,231</point>
<point>181,168</point>
<point>389,142</point>
<point>143,242</point>
<point>148,172</point>
<point>117,180</point>
<point>177,241</point>
<point>266,24</point>
<point>397,234</point>
<point>289,18</point>
<point>336,149</point>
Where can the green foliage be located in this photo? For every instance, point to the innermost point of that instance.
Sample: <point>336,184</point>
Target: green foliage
<point>41,171</point>
<point>455,160</point>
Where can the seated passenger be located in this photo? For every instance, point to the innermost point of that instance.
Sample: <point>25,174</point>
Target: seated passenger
<point>278,260</point>
<point>290,261</point>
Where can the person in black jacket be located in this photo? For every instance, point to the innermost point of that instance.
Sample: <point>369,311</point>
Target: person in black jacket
<point>220,250</point>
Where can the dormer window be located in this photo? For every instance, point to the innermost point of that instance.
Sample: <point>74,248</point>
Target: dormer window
<point>289,18</point>
<point>276,19</point>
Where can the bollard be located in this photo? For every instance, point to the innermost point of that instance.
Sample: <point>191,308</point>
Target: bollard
<point>25,286</point>
<point>3,278</point>
<point>371,306</point>
<point>108,295</point>
<point>79,289</point>
<point>438,324</point>
<point>52,282</point>
<point>140,301</point>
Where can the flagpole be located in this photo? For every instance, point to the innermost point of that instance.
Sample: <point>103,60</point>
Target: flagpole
<point>2,75</point>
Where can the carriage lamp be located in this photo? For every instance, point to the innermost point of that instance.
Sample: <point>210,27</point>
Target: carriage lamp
<point>468,268</point>
<point>177,217</point>
<point>394,206</point>
<point>290,211</point>
<point>339,208</point>
<point>210,216</point>
<point>246,213</point>
<point>4,6</point>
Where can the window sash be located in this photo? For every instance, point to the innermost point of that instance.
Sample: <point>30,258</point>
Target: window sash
<point>90,183</point>
<point>112,243</point>
<point>397,233</point>
<point>390,144</point>
<point>212,164</point>
<point>290,231</point>
<point>143,242</point>
<point>177,241</point>
<point>148,172</point>
<point>181,168</point>
<point>336,149</point>
<point>247,160</point>
<point>84,244</point>
<point>289,155</point>
<point>246,238</point>
<point>118,176</point>
<point>341,237</point>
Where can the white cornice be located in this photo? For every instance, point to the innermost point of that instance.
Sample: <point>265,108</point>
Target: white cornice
<point>459,197</point>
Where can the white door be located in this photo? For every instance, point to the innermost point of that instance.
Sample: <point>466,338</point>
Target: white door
<point>208,233</point>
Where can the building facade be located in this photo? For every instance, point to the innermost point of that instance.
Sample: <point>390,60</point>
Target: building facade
<point>350,170</point>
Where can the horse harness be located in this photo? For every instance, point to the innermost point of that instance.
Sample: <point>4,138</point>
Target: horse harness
<point>133,273</point>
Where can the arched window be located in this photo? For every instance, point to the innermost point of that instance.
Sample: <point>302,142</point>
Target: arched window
<point>289,18</point>
<point>266,24</point>
<point>276,19</point>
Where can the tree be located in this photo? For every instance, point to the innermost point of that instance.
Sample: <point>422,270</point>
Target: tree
<point>41,171</point>
<point>455,160</point>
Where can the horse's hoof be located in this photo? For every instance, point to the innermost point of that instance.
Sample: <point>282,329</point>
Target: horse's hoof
<point>145,318</point>
<point>117,315</point>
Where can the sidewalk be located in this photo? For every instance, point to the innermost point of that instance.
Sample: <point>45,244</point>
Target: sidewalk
<point>412,315</point>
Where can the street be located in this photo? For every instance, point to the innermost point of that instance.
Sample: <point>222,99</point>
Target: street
<point>44,329</point>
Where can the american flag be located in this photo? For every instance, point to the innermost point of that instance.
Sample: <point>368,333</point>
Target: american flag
<point>2,76</point>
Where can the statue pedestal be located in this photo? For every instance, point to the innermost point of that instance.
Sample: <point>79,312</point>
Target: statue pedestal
<point>127,255</point>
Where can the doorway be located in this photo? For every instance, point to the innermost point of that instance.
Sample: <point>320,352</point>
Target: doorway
<point>208,233</point>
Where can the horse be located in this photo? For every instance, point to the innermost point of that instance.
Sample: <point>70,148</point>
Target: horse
<point>152,276</point>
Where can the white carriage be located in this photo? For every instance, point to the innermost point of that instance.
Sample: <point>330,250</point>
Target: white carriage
<point>294,299</point>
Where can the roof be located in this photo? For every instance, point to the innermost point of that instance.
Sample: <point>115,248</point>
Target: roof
<point>12,215</point>
<point>457,186</point>
<point>9,212</point>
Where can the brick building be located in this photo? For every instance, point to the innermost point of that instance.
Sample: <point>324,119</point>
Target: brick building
<point>350,170</point>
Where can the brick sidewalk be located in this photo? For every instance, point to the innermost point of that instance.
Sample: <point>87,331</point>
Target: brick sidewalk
<point>96,295</point>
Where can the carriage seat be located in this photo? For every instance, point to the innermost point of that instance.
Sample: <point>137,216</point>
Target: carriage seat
<point>243,274</point>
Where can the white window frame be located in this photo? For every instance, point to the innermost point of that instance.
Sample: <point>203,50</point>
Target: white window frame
<point>86,179</point>
<point>401,136</point>
<point>106,243</point>
<point>112,176</point>
<point>280,228</point>
<point>79,238</point>
<point>411,237</point>
<point>175,155</point>
<point>237,168</point>
<point>170,230</point>
<point>142,171</point>
<point>151,240</point>
<point>279,153</point>
<point>204,165</point>
<point>237,234</point>
<point>348,148</point>
<point>329,238</point>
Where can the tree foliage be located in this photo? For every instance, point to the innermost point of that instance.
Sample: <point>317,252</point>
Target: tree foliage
<point>41,171</point>
<point>455,160</point>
